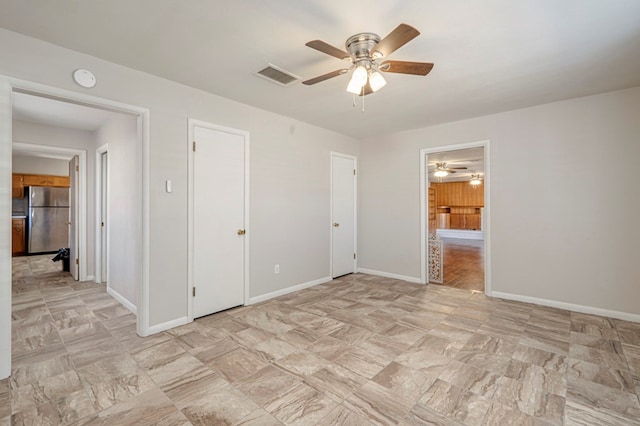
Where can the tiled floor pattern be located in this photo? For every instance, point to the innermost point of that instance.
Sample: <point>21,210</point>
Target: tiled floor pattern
<point>463,262</point>
<point>359,350</point>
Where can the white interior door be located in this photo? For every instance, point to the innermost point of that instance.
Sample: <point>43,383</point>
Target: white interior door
<point>74,215</point>
<point>343,214</point>
<point>218,220</point>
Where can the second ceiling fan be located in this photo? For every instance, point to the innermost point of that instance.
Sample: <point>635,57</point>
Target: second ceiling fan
<point>367,53</point>
<point>441,169</point>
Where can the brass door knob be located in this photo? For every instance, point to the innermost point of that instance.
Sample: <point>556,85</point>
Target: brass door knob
<point>336,224</point>
<point>241,232</point>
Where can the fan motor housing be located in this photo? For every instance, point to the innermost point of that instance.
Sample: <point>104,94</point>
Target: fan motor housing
<point>360,45</point>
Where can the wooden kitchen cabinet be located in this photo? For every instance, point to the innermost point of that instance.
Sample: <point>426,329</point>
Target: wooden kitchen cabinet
<point>60,181</point>
<point>459,205</point>
<point>459,194</point>
<point>457,221</point>
<point>46,180</point>
<point>464,220</point>
<point>18,241</point>
<point>19,181</point>
<point>472,222</point>
<point>17,186</point>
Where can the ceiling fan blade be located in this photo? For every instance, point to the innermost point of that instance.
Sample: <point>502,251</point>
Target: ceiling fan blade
<point>457,168</point>
<point>404,67</point>
<point>326,76</point>
<point>323,47</point>
<point>397,38</point>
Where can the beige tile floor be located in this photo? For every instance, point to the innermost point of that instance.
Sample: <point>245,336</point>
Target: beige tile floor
<point>359,350</point>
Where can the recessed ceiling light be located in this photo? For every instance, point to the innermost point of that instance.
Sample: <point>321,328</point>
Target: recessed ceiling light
<point>84,78</point>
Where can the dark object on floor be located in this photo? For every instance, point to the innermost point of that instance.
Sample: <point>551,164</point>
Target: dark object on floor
<point>63,254</point>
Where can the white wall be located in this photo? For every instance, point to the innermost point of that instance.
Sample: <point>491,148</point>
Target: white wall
<point>5,230</point>
<point>289,171</point>
<point>42,134</point>
<point>37,165</point>
<point>562,227</point>
<point>125,204</point>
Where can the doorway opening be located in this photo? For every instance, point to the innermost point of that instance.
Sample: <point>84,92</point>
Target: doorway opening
<point>454,216</point>
<point>12,89</point>
<point>42,168</point>
<point>102,218</point>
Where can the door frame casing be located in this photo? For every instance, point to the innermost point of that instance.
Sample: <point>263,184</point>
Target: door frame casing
<point>424,207</point>
<point>99,255</point>
<point>8,85</point>
<point>333,154</point>
<point>143,116</point>
<point>192,124</point>
<point>81,226</point>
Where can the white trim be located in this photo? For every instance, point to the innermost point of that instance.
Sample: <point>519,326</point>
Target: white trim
<point>120,298</point>
<point>288,290</point>
<point>355,208</point>
<point>6,98</point>
<point>569,306</point>
<point>98,214</point>
<point>142,326</point>
<point>486,225</point>
<point>169,324</point>
<point>143,308</point>
<point>407,278</point>
<point>192,123</point>
<point>91,278</point>
<point>81,227</point>
<point>424,222</point>
<point>460,233</point>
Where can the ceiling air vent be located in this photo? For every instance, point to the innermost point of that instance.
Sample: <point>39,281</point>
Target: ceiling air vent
<point>278,75</point>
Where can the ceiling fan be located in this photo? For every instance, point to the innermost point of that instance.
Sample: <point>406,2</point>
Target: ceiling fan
<point>367,53</point>
<point>442,170</point>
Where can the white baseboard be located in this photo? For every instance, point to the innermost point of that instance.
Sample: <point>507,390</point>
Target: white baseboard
<point>390,275</point>
<point>460,233</point>
<point>167,325</point>
<point>568,306</point>
<point>90,278</point>
<point>297,287</point>
<point>124,302</point>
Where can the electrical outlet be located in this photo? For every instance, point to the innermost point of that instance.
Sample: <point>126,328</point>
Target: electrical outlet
<point>276,269</point>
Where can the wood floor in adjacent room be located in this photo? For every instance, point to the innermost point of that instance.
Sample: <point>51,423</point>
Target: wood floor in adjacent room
<point>463,263</point>
<point>360,350</point>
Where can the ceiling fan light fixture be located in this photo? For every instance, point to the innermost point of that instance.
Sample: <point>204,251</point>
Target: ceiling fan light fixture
<point>358,80</point>
<point>440,173</point>
<point>475,180</point>
<point>354,87</point>
<point>359,75</point>
<point>376,81</point>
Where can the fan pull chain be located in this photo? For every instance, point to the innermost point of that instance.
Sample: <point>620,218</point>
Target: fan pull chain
<point>363,98</point>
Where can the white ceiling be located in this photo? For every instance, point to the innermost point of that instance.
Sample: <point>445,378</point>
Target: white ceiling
<point>52,112</point>
<point>489,55</point>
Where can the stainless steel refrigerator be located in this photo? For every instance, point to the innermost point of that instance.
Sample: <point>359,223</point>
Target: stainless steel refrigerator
<point>48,218</point>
